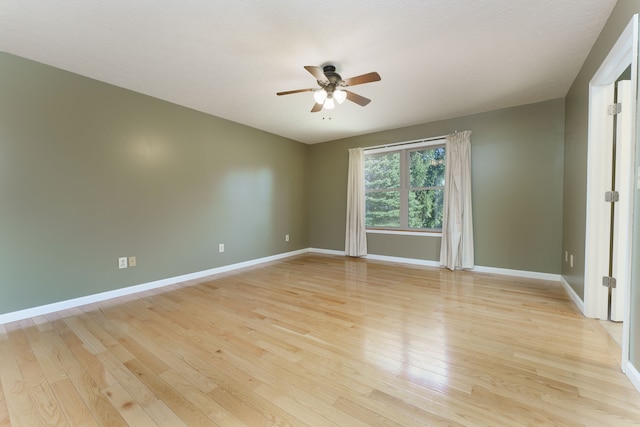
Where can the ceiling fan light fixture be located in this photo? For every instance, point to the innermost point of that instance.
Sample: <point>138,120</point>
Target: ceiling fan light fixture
<point>332,87</point>
<point>339,96</point>
<point>319,96</point>
<point>329,104</point>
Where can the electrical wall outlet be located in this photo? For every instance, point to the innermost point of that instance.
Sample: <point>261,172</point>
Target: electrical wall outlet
<point>132,261</point>
<point>286,237</point>
<point>122,262</point>
<point>221,247</point>
<point>571,260</point>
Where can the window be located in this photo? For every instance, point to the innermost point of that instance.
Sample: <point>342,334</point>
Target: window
<point>404,188</point>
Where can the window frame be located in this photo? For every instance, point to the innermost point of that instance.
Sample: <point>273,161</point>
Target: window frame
<point>405,181</point>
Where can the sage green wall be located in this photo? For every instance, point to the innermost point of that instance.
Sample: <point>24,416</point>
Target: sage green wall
<point>90,172</point>
<point>517,162</point>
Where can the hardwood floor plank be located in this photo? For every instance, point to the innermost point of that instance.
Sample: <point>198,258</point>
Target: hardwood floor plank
<point>75,410</point>
<point>36,385</point>
<point>364,414</point>
<point>89,341</point>
<point>88,387</point>
<point>21,412</point>
<point>184,409</point>
<point>415,414</point>
<point>512,410</point>
<point>243,409</point>
<point>129,382</point>
<point>128,347</point>
<point>4,411</point>
<point>126,406</point>
<point>106,338</point>
<point>163,416</point>
<point>201,400</point>
<point>49,360</point>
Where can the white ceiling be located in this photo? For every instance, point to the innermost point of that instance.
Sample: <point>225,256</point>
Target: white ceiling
<point>437,58</point>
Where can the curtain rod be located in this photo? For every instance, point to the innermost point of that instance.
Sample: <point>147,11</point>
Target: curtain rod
<point>406,142</point>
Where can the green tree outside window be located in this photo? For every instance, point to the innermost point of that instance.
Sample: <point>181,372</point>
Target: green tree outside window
<point>405,189</point>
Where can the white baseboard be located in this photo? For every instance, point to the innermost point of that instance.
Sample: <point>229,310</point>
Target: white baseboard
<point>430,263</point>
<point>633,375</point>
<point>572,294</point>
<point>325,251</point>
<point>518,273</point>
<point>400,260</point>
<point>90,299</point>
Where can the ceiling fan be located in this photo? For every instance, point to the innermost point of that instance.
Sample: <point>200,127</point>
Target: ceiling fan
<point>332,87</point>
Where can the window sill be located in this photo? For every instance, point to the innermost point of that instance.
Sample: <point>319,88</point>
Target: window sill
<point>405,233</point>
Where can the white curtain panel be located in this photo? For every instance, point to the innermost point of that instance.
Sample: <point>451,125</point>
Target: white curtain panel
<point>356,237</point>
<point>456,249</point>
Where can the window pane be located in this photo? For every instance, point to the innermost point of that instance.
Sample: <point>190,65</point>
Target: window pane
<point>382,171</point>
<point>383,209</point>
<point>426,208</point>
<point>427,167</point>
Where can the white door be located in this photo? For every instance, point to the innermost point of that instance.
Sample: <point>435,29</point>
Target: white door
<point>622,217</point>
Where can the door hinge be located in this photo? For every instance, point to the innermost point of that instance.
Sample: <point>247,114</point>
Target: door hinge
<point>609,282</point>
<point>614,109</point>
<point>611,196</point>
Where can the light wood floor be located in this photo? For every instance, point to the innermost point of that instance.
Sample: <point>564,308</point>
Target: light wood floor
<point>614,329</point>
<point>320,340</point>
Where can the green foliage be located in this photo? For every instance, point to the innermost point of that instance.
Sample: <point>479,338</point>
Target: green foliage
<point>426,208</point>
<point>383,185</point>
<point>382,207</point>
<point>427,168</point>
<point>382,171</point>
<point>426,204</point>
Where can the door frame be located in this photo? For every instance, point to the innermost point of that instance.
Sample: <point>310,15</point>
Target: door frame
<point>601,86</point>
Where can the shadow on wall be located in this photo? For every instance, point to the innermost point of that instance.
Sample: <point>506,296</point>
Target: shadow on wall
<point>247,192</point>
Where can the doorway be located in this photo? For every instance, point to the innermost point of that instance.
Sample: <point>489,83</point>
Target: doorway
<point>600,161</point>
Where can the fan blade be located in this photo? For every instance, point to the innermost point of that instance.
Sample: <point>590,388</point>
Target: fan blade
<point>289,92</point>
<point>358,99</point>
<point>364,78</point>
<point>317,107</point>
<point>316,72</point>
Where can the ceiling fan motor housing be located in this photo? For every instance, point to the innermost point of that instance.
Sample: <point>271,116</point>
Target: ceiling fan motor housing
<point>333,77</point>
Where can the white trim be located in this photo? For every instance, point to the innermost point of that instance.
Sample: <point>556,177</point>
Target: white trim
<point>90,299</point>
<point>625,159</point>
<point>405,233</point>
<point>598,213</point>
<point>401,260</point>
<point>633,375</point>
<point>406,146</point>
<point>518,273</point>
<point>430,263</point>
<point>326,251</point>
<point>476,269</point>
<point>397,146</point>
<point>103,296</point>
<point>572,294</point>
